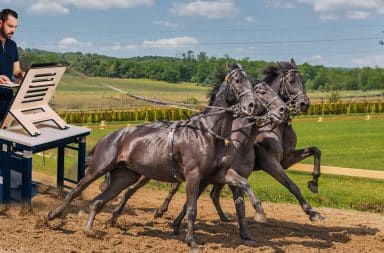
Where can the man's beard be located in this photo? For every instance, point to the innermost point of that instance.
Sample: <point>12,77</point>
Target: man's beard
<point>5,35</point>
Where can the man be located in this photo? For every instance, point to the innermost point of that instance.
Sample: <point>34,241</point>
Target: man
<point>10,70</point>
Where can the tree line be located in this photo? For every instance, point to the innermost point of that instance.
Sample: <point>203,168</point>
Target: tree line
<point>201,69</point>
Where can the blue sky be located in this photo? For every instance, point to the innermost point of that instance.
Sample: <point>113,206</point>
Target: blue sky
<point>341,33</point>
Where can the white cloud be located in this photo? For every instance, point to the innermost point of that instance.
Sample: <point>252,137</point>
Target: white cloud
<point>328,16</point>
<point>332,9</point>
<point>210,9</point>
<point>176,42</point>
<point>61,7</point>
<point>107,4</point>
<point>73,44</point>
<point>48,8</point>
<point>250,19</point>
<point>317,57</point>
<point>358,14</point>
<point>164,23</point>
<point>333,5</point>
<point>68,42</point>
<point>370,60</point>
<point>280,4</point>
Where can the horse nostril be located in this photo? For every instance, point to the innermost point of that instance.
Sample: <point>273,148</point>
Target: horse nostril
<point>282,110</point>
<point>251,106</point>
<point>303,104</point>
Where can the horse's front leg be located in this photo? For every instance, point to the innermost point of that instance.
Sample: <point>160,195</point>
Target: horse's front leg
<point>293,157</point>
<point>234,179</point>
<point>238,197</point>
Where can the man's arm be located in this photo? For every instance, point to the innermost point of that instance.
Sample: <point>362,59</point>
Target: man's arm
<point>17,72</point>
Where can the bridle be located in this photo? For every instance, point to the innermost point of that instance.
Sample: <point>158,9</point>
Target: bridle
<point>283,86</point>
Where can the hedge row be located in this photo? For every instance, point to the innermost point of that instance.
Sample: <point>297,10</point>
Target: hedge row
<point>169,114</point>
<point>172,114</point>
<point>345,108</point>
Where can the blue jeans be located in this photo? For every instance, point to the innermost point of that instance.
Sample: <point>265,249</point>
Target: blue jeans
<point>6,96</point>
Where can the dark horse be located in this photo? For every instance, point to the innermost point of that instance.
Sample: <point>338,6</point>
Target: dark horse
<point>275,145</point>
<point>241,139</point>
<point>190,150</point>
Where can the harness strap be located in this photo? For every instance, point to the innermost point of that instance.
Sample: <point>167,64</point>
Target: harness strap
<point>172,156</point>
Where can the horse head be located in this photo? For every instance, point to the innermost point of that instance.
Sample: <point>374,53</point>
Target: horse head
<point>277,111</point>
<point>236,89</point>
<point>287,81</point>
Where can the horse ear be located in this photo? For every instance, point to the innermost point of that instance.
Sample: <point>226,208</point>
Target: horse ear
<point>293,63</point>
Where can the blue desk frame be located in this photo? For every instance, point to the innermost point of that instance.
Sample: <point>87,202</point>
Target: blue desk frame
<point>15,155</point>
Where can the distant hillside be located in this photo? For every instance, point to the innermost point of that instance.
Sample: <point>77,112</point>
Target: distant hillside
<point>201,69</point>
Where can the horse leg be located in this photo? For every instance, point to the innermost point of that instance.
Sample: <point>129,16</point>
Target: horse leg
<point>234,179</point>
<point>215,197</point>
<point>238,197</point>
<point>274,168</point>
<point>296,156</point>
<point>193,179</point>
<point>159,212</point>
<point>121,178</point>
<point>83,183</point>
<point>130,191</point>
<point>177,222</point>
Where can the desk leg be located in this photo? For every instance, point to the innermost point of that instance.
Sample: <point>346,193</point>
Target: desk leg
<point>6,174</point>
<point>60,168</point>
<point>81,159</point>
<point>26,179</point>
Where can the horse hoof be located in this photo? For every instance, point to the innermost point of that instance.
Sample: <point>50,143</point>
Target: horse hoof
<point>194,249</point>
<point>246,236</point>
<point>316,217</point>
<point>260,218</point>
<point>225,219</point>
<point>176,231</point>
<point>89,232</point>
<point>157,214</point>
<point>51,215</point>
<point>312,186</point>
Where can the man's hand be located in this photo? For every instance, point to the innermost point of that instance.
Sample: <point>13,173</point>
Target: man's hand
<point>4,79</point>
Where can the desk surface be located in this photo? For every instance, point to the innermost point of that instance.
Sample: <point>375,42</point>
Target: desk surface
<point>49,133</point>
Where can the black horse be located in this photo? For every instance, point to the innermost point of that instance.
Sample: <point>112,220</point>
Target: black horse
<point>241,139</point>
<point>275,147</point>
<point>190,150</point>
<point>275,144</point>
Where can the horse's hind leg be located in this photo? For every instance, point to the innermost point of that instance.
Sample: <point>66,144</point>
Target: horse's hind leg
<point>130,191</point>
<point>164,207</point>
<point>121,178</point>
<point>215,197</point>
<point>83,183</point>
<point>277,171</point>
<point>296,156</point>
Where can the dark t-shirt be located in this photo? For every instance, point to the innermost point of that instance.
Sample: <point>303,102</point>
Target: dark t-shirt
<point>8,56</point>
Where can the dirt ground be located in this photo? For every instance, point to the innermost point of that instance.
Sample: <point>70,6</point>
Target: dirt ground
<point>288,228</point>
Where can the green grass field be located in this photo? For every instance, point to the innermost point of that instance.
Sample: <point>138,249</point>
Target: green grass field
<point>348,141</point>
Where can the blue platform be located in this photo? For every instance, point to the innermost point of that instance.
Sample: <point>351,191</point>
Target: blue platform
<point>17,148</point>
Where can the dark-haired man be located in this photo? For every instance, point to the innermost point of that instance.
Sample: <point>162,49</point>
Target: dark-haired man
<point>10,70</point>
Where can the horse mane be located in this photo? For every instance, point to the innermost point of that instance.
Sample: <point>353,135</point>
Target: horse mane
<point>272,71</point>
<point>219,79</point>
